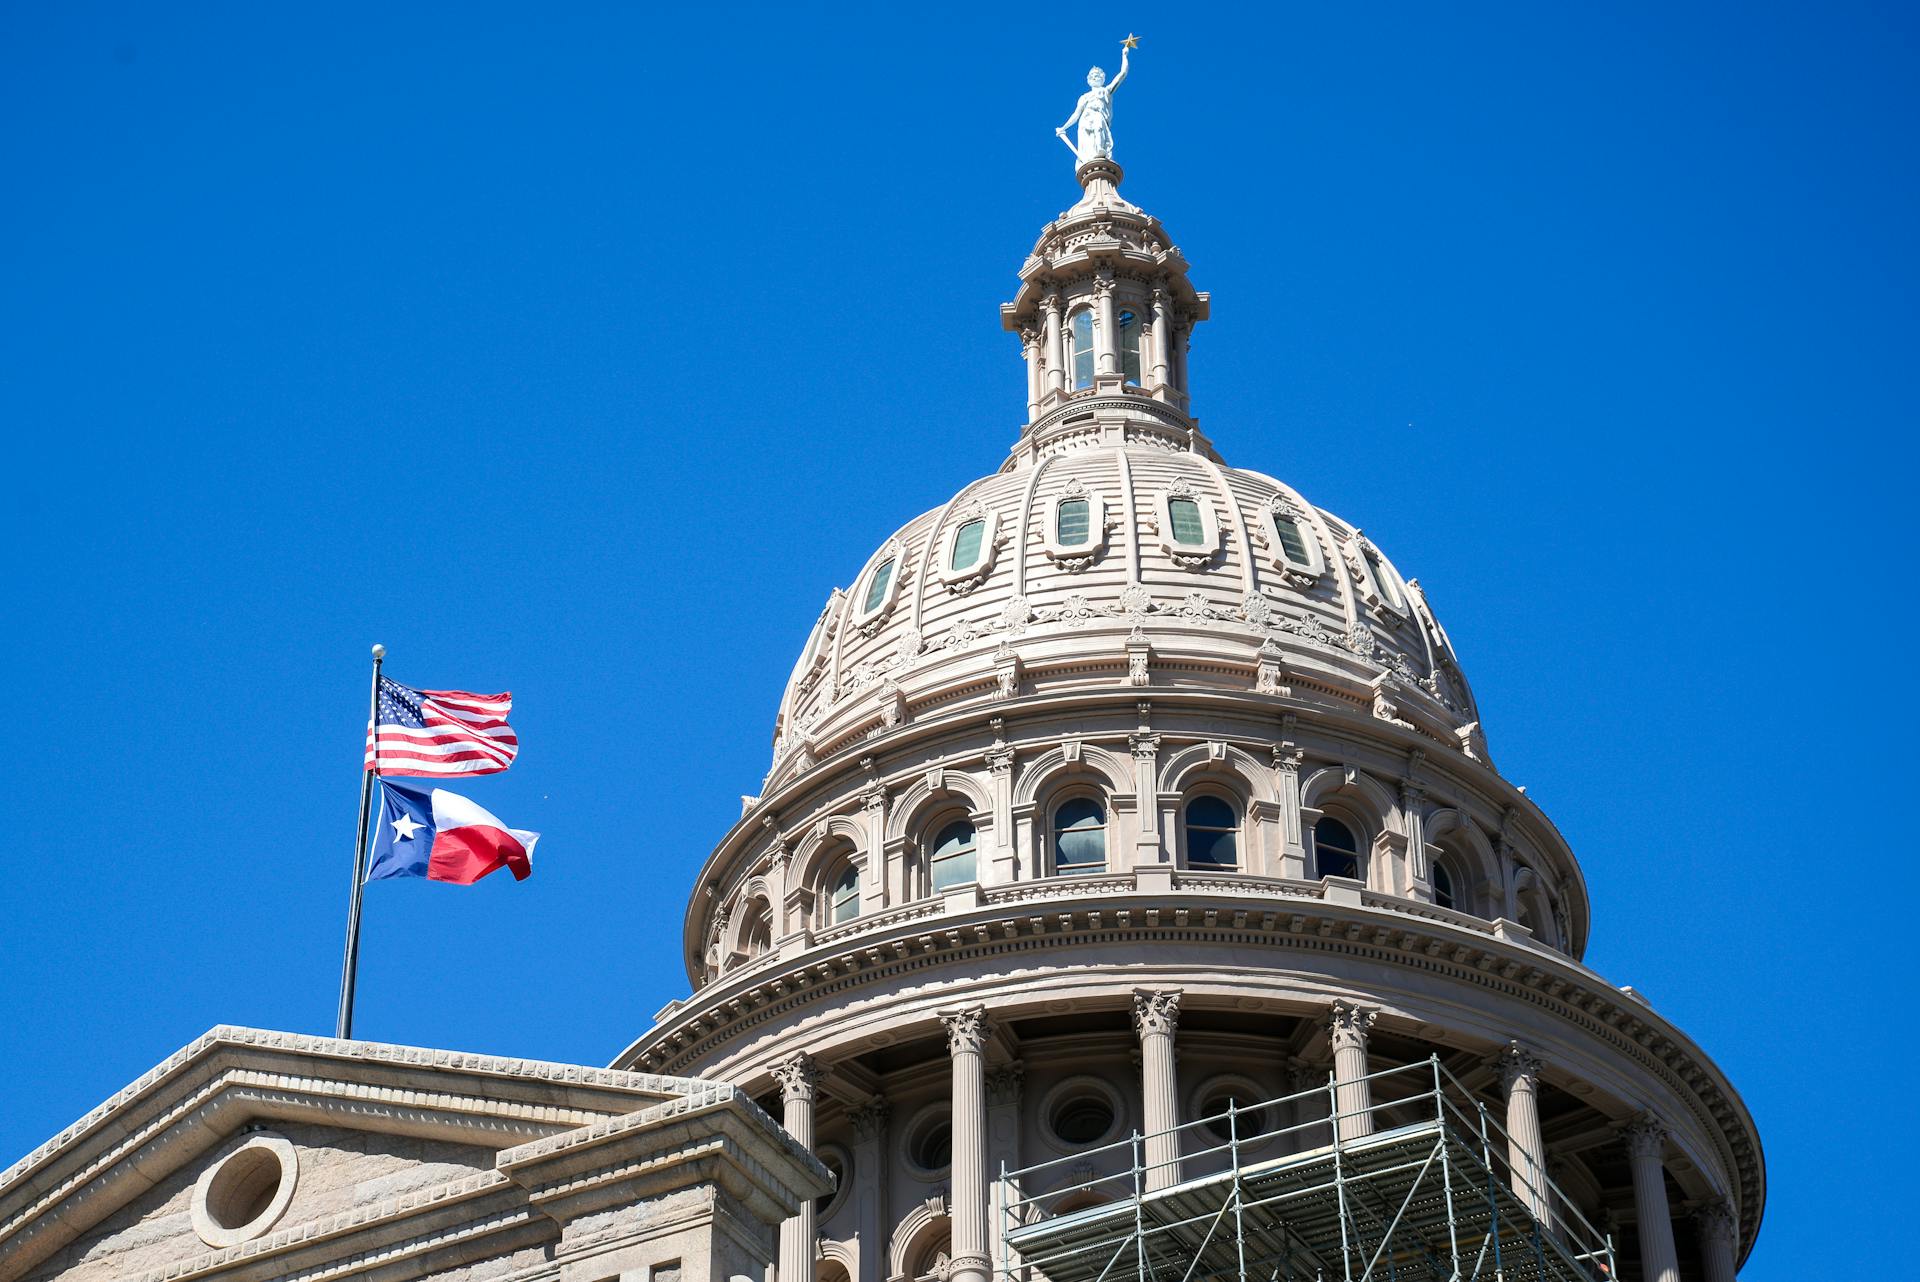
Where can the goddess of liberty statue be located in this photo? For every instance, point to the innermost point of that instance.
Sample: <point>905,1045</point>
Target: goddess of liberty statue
<point>1094,111</point>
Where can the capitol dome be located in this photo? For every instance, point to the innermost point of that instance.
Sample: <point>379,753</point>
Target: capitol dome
<point>1122,746</point>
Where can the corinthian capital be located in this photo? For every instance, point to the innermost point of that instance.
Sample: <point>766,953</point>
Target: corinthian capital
<point>1516,1062</point>
<point>1717,1221</point>
<point>967,1030</point>
<point>1349,1025</point>
<point>798,1075</point>
<point>1004,1082</point>
<point>1155,1012</point>
<point>870,1119</point>
<point>1645,1137</point>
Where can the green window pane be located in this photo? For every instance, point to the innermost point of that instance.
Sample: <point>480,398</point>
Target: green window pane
<point>1187,528</point>
<point>1129,339</point>
<point>966,545</point>
<point>1291,540</point>
<point>1073,526</point>
<point>877,587</point>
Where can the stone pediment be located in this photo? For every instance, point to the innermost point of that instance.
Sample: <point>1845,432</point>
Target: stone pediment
<point>252,1153</point>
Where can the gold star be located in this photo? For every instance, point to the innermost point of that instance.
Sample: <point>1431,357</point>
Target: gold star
<point>1131,42</point>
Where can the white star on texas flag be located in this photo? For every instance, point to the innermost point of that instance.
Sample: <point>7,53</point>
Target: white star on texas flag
<point>405,826</point>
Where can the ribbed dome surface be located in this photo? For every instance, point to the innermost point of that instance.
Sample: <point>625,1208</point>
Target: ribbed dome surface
<point>1275,595</point>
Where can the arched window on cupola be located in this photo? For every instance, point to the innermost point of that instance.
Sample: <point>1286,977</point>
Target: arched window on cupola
<point>1129,344</point>
<point>1443,892</point>
<point>1080,836</point>
<point>1212,833</point>
<point>1080,357</point>
<point>843,895</point>
<point>1336,851</point>
<point>951,861</point>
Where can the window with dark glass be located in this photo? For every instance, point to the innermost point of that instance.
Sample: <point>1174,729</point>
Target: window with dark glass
<point>1388,580</point>
<point>1235,1115</point>
<point>1130,348</point>
<point>839,1172</point>
<point>1073,525</point>
<point>1082,1119</point>
<point>932,1146</point>
<point>1187,526</point>
<point>877,586</point>
<point>966,545</point>
<point>1079,836</point>
<point>843,900</point>
<point>952,860</point>
<point>1442,886</point>
<point>1336,851</point>
<point>1211,833</point>
<point>1081,358</point>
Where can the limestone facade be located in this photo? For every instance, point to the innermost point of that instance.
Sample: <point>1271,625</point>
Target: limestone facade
<point>1128,782</point>
<point>255,1155</point>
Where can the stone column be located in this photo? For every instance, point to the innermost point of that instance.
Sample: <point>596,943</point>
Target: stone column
<point>1056,348</point>
<point>1646,1144</point>
<point>1526,1150</point>
<point>1106,350</point>
<point>870,1175</point>
<point>1348,1026</point>
<point>1030,349</point>
<point>967,1032</point>
<point>1162,337</point>
<point>873,878</point>
<point>799,1075</point>
<point>1717,1240</point>
<point>1419,879</point>
<point>1180,337</point>
<point>1154,1016</point>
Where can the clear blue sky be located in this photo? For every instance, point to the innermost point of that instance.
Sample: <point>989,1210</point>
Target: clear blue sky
<point>582,352</point>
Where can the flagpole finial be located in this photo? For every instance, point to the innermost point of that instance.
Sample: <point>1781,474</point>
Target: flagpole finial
<point>379,651</point>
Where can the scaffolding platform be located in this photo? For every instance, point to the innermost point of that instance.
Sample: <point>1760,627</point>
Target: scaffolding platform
<point>1427,1199</point>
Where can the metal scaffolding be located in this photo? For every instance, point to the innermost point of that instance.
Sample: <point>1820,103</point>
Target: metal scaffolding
<point>1417,1186</point>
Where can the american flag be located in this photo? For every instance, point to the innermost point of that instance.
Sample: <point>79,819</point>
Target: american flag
<point>440,732</point>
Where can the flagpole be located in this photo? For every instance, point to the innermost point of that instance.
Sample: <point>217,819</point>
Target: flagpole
<point>343,1028</point>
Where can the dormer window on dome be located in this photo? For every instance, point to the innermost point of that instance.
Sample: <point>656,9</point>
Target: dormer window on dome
<point>970,545</point>
<point>1380,583</point>
<point>1291,545</point>
<point>877,591</point>
<point>1075,529</point>
<point>1189,530</point>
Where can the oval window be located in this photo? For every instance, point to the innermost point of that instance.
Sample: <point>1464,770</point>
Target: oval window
<point>1082,1119</point>
<point>932,1145</point>
<point>877,587</point>
<point>1187,526</point>
<point>1073,526</point>
<point>1233,1115</point>
<point>966,545</point>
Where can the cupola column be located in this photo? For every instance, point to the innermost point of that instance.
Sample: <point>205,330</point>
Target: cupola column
<point>1056,349</point>
<point>799,1076</point>
<point>1347,1028</point>
<point>1180,334</point>
<point>1526,1149</point>
<point>1030,348</point>
<point>1162,337</point>
<point>967,1032</point>
<point>1105,345</point>
<point>1717,1225</point>
<point>1646,1145</point>
<point>1154,1017</point>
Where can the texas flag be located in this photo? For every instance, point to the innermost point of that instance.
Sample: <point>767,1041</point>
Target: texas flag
<point>439,835</point>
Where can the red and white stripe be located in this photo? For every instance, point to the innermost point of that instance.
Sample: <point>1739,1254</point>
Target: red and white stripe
<point>465,734</point>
